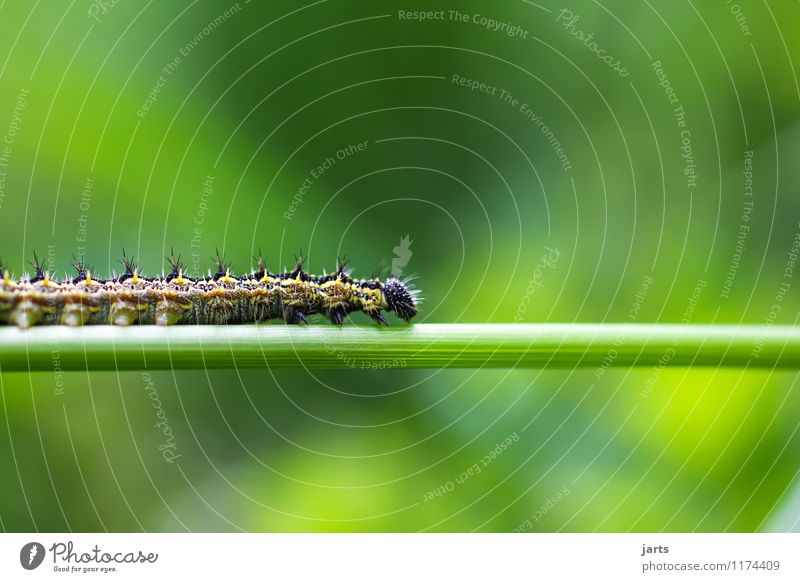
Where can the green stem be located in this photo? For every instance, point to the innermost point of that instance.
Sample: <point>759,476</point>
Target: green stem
<point>413,346</point>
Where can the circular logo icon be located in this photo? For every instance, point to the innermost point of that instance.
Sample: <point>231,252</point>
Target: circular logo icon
<point>31,555</point>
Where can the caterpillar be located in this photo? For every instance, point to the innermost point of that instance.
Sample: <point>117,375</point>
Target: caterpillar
<point>220,298</point>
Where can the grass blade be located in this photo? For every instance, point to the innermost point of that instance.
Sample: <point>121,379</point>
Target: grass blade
<point>413,346</point>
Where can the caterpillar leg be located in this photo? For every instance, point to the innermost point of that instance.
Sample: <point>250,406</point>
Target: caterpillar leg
<point>291,315</point>
<point>27,314</point>
<point>168,313</point>
<point>7,306</point>
<point>123,313</point>
<point>75,314</point>
<point>378,317</point>
<point>337,315</point>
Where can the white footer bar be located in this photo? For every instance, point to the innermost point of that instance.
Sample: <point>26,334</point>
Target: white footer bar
<point>401,557</point>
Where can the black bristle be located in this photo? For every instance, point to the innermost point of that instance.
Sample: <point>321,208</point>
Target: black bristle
<point>81,268</point>
<point>298,272</point>
<point>343,273</point>
<point>37,267</point>
<point>381,270</point>
<point>222,267</point>
<point>261,268</point>
<point>129,264</point>
<point>175,264</point>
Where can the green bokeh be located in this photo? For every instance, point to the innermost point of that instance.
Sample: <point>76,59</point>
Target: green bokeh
<point>259,99</point>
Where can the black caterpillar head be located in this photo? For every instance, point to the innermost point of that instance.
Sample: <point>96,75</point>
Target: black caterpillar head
<point>401,298</point>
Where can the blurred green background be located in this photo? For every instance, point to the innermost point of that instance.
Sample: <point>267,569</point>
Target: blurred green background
<point>203,125</point>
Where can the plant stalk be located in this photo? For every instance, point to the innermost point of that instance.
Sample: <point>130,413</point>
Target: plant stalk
<point>398,346</point>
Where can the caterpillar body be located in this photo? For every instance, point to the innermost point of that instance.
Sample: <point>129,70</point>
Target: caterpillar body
<point>220,298</point>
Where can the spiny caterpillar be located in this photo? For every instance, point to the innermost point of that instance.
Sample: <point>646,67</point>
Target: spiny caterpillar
<point>220,298</point>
